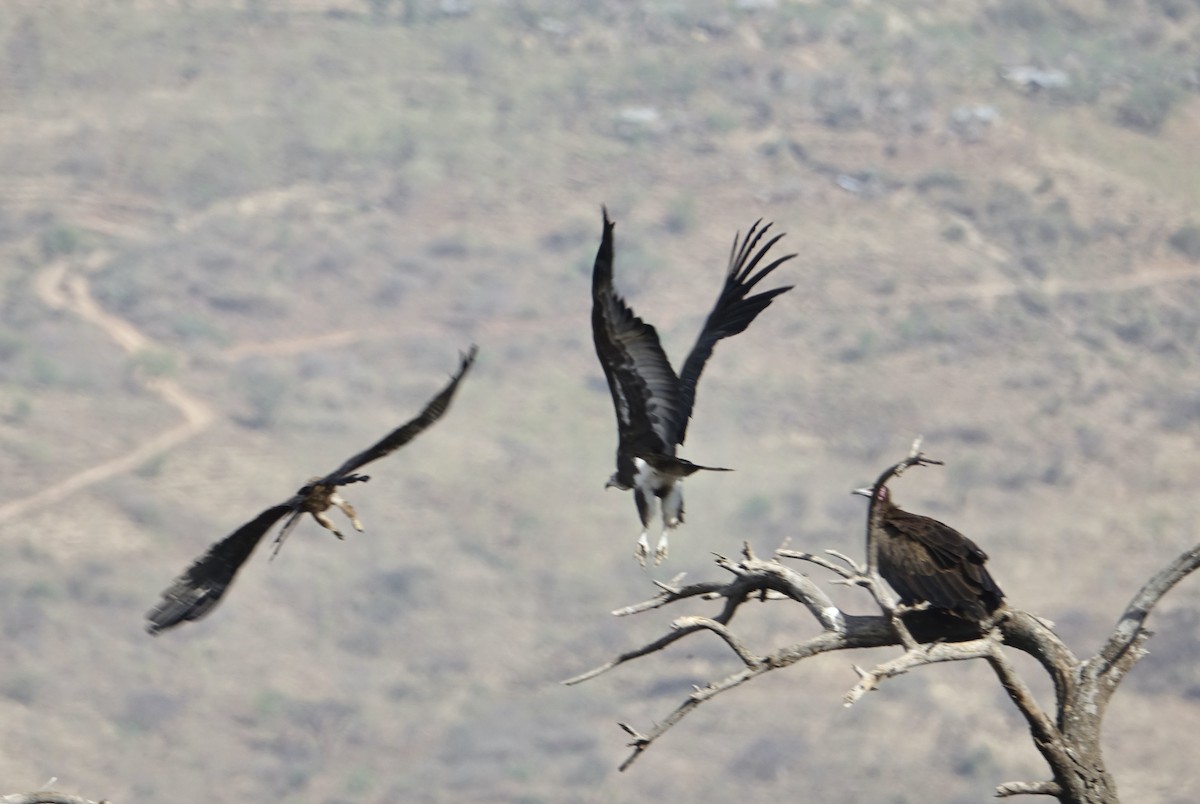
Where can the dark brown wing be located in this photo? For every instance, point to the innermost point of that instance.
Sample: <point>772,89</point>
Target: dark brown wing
<point>644,387</point>
<point>733,312</point>
<point>407,432</point>
<point>200,588</point>
<point>927,560</point>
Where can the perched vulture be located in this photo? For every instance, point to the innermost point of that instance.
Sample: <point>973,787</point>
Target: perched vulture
<point>927,561</point>
<point>200,588</point>
<point>652,403</point>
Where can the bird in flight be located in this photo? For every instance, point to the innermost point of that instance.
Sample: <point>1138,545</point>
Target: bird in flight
<point>927,561</point>
<point>652,403</point>
<point>199,589</point>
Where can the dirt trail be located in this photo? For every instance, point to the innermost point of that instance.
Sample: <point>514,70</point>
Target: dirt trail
<point>63,285</point>
<point>1054,288</point>
<point>59,288</point>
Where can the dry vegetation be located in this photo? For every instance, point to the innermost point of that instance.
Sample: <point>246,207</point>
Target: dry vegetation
<point>308,208</point>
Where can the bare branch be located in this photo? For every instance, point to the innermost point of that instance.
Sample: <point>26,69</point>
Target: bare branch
<point>1132,621</point>
<point>771,575</point>
<point>670,596</point>
<point>735,644</point>
<point>823,643</point>
<point>918,657</point>
<point>854,565</point>
<point>1031,635</point>
<point>751,575</point>
<point>46,797</point>
<point>673,584</point>
<point>1028,789</point>
<point>652,647</point>
<point>824,563</point>
<point>1046,735</point>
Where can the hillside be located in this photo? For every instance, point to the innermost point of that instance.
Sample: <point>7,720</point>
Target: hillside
<point>242,240</point>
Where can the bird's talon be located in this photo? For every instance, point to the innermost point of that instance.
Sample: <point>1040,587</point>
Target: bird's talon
<point>642,550</point>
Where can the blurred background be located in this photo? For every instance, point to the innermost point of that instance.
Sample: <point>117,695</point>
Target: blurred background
<point>242,240</point>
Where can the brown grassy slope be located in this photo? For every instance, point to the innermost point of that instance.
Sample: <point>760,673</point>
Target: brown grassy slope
<point>309,214</point>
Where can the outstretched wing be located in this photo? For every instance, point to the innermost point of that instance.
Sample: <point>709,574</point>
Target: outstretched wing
<point>197,590</point>
<point>407,432</point>
<point>644,387</point>
<point>732,313</point>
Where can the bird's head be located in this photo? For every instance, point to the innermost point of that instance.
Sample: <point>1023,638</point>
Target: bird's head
<point>308,487</point>
<point>882,495</point>
<point>615,483</point>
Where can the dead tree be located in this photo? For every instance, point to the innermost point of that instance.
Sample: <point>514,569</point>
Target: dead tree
<point>1068,738</point>
<point>45,797</point>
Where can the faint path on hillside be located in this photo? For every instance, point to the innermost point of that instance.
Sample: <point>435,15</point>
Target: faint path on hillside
<point>1050,288</point>
<point>295,346</point>
<point>59,288</point>
<point>63,285</point>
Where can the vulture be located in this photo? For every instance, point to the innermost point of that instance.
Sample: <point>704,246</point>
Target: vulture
<point>200,587</point>
<point>927,561</point>
<point>653,403</point>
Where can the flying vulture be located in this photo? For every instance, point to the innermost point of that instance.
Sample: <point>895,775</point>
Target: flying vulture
<point>653,404</point>
<point>200,588</point>
<point>927,561</point>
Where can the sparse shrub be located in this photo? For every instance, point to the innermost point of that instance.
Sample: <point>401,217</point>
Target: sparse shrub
<point>862,349</point>
<point>139,505</point>
<point>843,114</point>
<point>22,620</point>
<point>1179,409</point>
<point>360,781</point>
<point>20,688</point>
<point>46,371</point>
<point>264,392</point>
<point>60,241</point>
<point>1175,10</point>
<point>1186,240</point>
<point>156,363</point>
<point>12,344</point>
<point>149,711</point>
<point>1035,266</point>
<point>940,180</point>
<point>755,509</point>
<point>378,9</point>
<point>767,757</point>
<point>190,327</point>
<point>20,411</point>
<point>917,327</point>
<point>954,233</point>
<point>681,216</point>
<point>152,467</point>
<point>1007,200</point>
<point>721,122</point>
<point>1025,15</point>
<point>1147,106</point>
<point>449,248</point>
